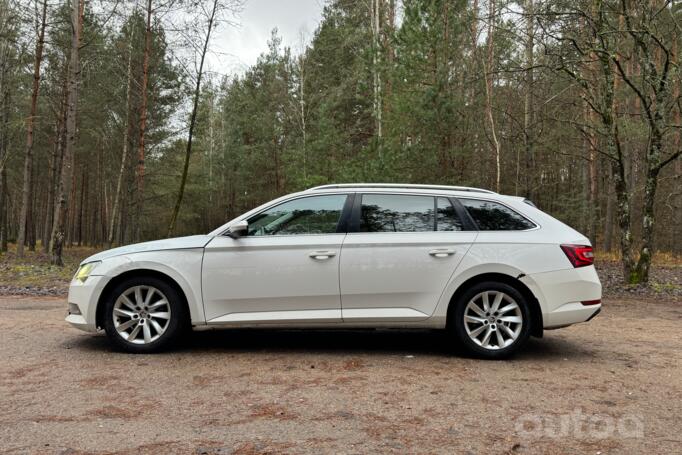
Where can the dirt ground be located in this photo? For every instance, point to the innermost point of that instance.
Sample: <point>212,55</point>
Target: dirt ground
<point>613,385</point>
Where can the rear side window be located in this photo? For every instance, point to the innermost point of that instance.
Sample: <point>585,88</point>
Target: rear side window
<point>396,213</point>
<point>491,216</point>
<point>407,213</point>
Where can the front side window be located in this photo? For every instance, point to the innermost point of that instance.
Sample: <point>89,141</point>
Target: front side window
<point>491,216</point>
<point>308,215</point>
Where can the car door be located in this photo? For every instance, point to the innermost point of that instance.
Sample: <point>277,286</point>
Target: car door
<point>284,270</point>
<point>404,250</point>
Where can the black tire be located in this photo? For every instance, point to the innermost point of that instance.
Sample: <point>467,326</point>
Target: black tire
<point>456,323</point>
<point>176,325</point>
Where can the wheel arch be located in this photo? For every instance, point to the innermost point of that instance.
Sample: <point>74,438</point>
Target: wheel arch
<point>136,273</point>
<point>535,310</point>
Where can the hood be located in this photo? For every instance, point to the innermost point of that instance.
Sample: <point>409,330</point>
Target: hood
<point>178,243</point>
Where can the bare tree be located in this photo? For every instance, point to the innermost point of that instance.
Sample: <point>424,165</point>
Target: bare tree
<point>143,121</point>
<point>66,179</point>
<point>376,11</point>
<point>59,141</point>
<point>30,123</point>
<point>126,139</point>
<point>601,41</point>
<point>654,90</point>
<point>5,72</point>
<point>528,101</point>
<point>489,84</point>
<point>211,17</point>
<point>299,109</point>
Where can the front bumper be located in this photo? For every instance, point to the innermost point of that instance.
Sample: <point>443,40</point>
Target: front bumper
<point>84,295</point>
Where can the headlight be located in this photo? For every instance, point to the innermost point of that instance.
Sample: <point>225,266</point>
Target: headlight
<point>84,271</point>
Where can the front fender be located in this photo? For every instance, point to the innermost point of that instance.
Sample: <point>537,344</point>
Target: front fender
<point>182,266</point>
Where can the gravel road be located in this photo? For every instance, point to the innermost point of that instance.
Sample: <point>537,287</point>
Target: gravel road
<point>613,385</point>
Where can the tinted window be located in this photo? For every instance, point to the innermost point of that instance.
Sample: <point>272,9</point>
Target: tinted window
<point>397,213</point>
<point>309,215</point>
<point>491,216</point>
<point>446,218</point>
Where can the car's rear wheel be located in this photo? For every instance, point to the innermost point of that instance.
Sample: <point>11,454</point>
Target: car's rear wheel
<point>492,320</point>
<point>144,314</point>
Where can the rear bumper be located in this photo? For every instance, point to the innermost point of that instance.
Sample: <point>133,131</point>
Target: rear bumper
<point>570,313</point>
<point>561,292</point>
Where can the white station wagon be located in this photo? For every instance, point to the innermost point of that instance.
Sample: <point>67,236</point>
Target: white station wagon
<point>490,269</point>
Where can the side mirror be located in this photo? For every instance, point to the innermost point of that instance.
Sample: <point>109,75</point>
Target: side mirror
<point>238,229</point>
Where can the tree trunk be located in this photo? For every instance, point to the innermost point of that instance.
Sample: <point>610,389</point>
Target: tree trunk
<point>31,219</point>
<point>623,206</point>
<point>615,151</point>
<point>126,139</point>
<point>593,203</point>
<point>489,62</point>
<point>608,219</point>
<point>677,142</point>
<point>302,113</point>
<point>51,185</point>
<point>61,209</point>
<point>61,146</point>
<point>4,153</point>
<point>472,93</point>
<point>211,146</point>
<point>4,121</point>
<point>528,101</point>
<point>143,122</point>
<point>3,208</point>
<point>71,214</point>
<point>641,273</point>
<point>192,122</point>
<point>30,123</point>
<point>376,62</point>
<point>78,238</point>
<point>654,165</point>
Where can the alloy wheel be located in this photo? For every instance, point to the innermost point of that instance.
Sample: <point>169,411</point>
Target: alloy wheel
<point>493,320</point>
<point>141,314</point>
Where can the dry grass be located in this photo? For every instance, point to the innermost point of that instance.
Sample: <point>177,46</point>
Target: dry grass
<point>661,258</point>
<point>35,270</point>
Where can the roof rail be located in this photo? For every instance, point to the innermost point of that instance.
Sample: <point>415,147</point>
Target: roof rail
<point>400,185</point>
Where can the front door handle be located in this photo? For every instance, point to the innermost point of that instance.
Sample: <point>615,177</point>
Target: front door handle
<point>322,255</point>
<point>442,252</point>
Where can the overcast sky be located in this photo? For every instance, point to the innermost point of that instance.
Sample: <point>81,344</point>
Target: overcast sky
<point>237,48</point>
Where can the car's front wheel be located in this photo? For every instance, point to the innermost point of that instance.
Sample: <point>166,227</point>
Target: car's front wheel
<point>144,314</point>
<point>492,320</point>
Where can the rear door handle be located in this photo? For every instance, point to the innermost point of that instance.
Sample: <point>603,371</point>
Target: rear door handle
<point>442,252</point>
<point>322,255</point>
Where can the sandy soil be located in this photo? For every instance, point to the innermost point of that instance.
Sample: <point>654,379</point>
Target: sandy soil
<point>613,385</point>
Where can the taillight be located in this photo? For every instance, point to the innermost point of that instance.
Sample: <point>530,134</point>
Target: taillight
<point>579,255</point>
